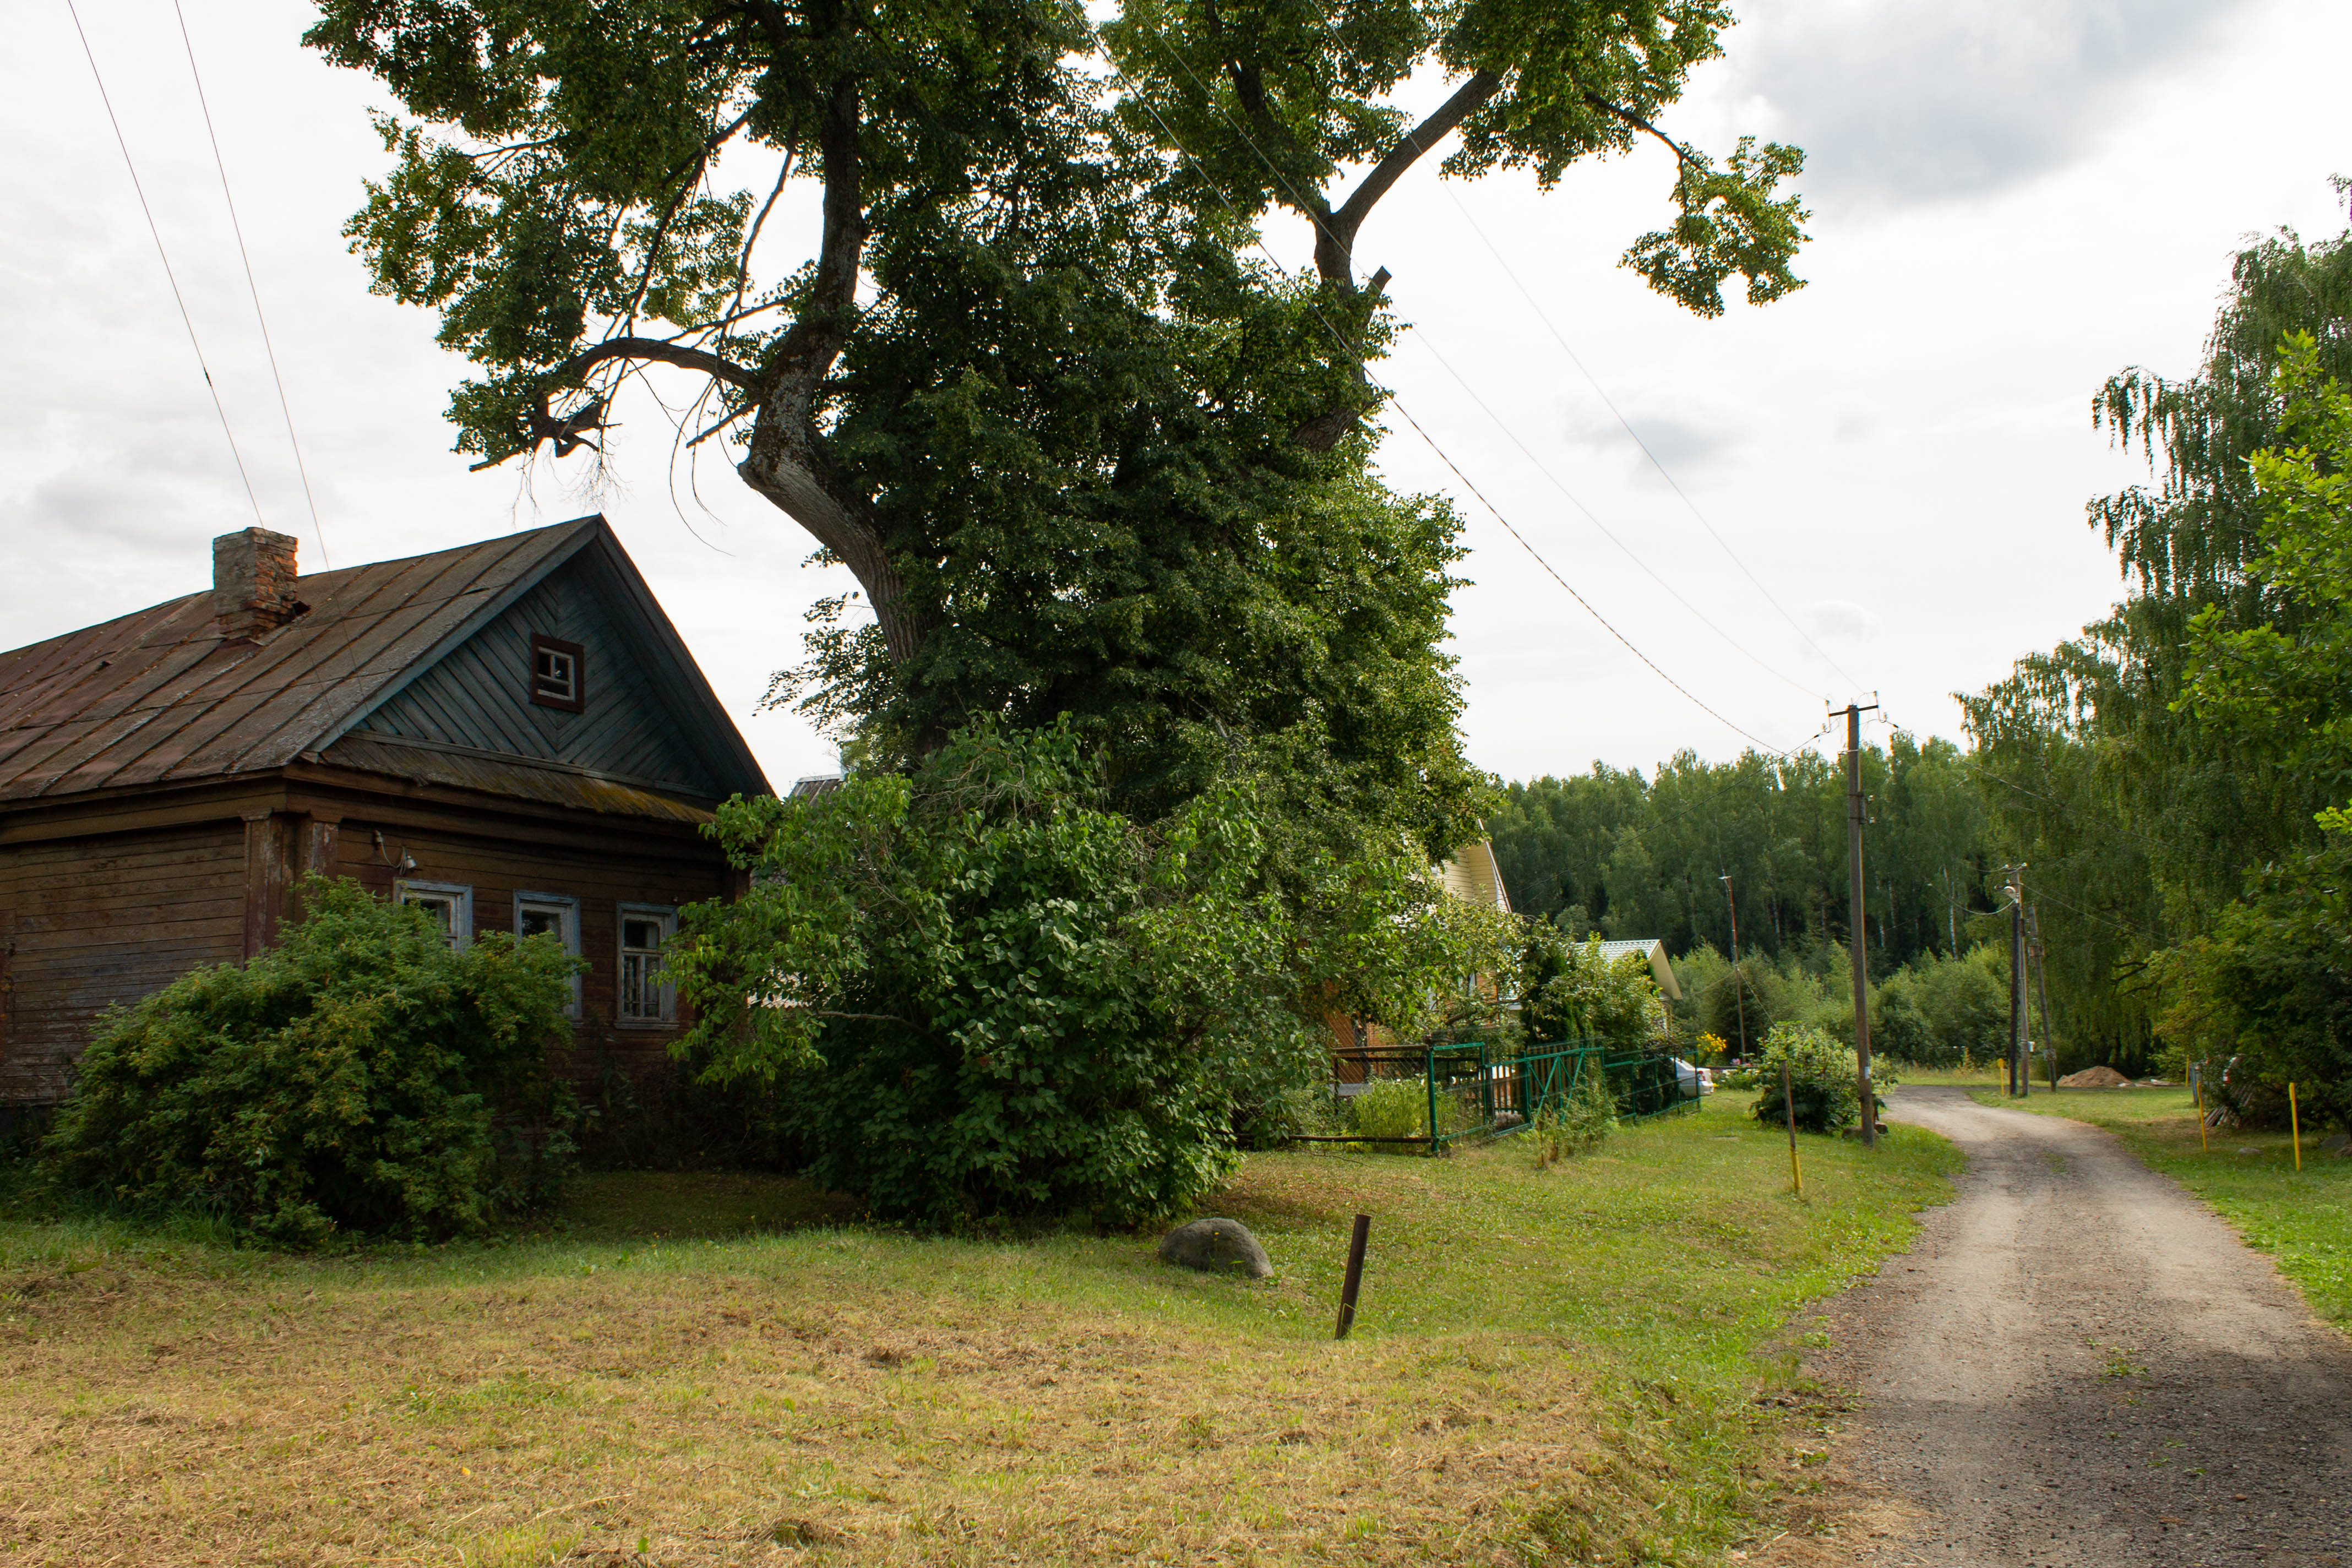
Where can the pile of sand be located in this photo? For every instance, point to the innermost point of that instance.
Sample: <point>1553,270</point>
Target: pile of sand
<point>2095,1078</point>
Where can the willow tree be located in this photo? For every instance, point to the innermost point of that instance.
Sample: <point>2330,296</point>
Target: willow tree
<point>2101,774</point>
<point>1020,372</point>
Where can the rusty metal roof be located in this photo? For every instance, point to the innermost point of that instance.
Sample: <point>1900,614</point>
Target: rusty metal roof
<point>162,696</point>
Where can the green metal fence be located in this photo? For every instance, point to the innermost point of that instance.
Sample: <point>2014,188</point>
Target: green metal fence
<point>1473,1090</point>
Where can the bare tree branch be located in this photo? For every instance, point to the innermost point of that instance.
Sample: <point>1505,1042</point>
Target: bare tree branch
<point>683,355</point>
<point>1335,233</point>
<point>1688,159</point>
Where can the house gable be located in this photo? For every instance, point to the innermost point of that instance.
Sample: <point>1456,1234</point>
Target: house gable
<point>477,696</point>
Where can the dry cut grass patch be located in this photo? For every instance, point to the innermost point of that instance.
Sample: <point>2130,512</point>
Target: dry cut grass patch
<point>1555,1363</point>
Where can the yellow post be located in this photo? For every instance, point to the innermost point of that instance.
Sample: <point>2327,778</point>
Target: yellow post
<point>1789,1109</point>
<point>2202,1142</point>
<point>2294,1120</point>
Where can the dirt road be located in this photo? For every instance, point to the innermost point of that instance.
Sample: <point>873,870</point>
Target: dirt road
<point>2080,1364</point>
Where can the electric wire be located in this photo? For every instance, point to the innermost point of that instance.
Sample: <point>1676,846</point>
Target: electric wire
<point>237,229</point>
<point>1232,207</point>
<point>1627,426</point>
<point>1572,594</point>
<point>172,277</point>
<point>1421,336</point>
<point>1421,333</point>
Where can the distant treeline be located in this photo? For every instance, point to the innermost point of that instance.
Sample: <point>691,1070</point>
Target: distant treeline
<point>1615,852</point>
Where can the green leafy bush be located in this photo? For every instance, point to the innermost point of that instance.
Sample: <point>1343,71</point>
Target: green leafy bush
<point>1822,1075</point>
<point>1302,1110</point>
<point>983,993</point>
<point>1573,990</point>
<point>1391,1107</point>
<point>1581,1120</point>
<point>360,1078</point>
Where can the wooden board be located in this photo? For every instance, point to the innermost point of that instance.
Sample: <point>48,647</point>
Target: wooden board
<point>100,921</point>
<point>478,695</point>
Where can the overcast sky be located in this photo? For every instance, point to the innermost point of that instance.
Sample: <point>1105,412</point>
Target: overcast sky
<point>2012,199</point>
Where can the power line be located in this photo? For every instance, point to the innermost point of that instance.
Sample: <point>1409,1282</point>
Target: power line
<point>243,255</point>
<point>1231,207</point>
<point>1626,425</point>
<point>1421,336</point>
<point>1572,594</point>
<point>185,320</point>
<point>1573,359</point>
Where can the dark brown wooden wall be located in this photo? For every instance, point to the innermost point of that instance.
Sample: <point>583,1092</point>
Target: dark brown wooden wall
<point>92,918</point>
<point>628,870</point>
<point>85,923</point>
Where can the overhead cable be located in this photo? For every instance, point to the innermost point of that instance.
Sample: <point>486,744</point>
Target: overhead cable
<point>1420,336</point>
<point>237,229</point>
<point>1398,402</point>
<point>1663,473</point>
<point>185,320</point>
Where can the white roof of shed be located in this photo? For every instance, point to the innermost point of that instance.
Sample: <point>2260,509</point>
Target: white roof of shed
<point>1655,949</point>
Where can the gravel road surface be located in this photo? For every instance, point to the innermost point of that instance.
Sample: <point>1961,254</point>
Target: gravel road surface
<point>2080,1364</point>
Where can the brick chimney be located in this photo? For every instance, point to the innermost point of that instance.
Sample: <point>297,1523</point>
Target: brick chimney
<point>253,582</point>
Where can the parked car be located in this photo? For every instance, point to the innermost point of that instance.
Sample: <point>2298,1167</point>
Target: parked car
<point>1693,1081</point>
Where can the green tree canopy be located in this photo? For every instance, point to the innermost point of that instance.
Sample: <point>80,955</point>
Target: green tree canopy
<point>2100,772</point>
<point>2272,986</point>
<point>1632,856</point>
<point>1082,452</point>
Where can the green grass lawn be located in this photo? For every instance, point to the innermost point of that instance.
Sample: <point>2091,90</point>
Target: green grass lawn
<point>2303,1218</point>
<point>1587,1362</point>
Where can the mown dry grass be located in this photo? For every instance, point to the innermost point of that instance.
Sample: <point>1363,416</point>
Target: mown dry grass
<point>1563,1365</point>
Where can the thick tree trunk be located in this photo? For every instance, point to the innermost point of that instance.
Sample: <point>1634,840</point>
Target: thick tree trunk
<point>784,466</point>
<point>786,461</point>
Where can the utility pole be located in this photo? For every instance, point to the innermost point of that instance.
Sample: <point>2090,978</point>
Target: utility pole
<point>2018,1082</point>
<point>2042,989</point>
<point>1739,994</point>
<point>1857,932</point>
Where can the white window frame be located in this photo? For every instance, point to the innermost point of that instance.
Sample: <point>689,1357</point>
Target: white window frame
<point>621,953</point>
<point>567,906</point>
<point>461,906</point>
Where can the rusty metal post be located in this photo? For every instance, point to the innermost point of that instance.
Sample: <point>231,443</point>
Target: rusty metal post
<point>1355,1279</point>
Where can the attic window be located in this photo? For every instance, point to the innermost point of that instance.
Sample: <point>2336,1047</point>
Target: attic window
<point>557,674</point>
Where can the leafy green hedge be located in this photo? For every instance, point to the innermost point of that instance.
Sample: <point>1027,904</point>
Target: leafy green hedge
<point>360,1078</point>
<point>1823,1079</point>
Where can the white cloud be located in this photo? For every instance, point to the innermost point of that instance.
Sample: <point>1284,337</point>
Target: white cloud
<point>1904,100</point>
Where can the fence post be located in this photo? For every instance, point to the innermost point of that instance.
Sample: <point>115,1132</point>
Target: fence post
<point>1485,1085</point>
<point>1429,1082</point>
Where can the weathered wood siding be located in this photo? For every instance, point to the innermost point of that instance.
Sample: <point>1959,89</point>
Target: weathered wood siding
<point>478,695</point>
<point>85,923</point>
<point>89,920</point>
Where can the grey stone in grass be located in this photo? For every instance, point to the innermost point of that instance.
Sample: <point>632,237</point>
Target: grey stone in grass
<point>1216,1246</point>
<point>2339,1145</point>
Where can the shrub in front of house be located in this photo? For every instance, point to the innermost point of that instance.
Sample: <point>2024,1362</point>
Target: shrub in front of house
<point>359,1079</point>
<point>983,993</point>
<point>987,995</point>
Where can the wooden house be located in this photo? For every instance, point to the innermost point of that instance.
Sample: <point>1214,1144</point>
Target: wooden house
<point>510,734</point>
